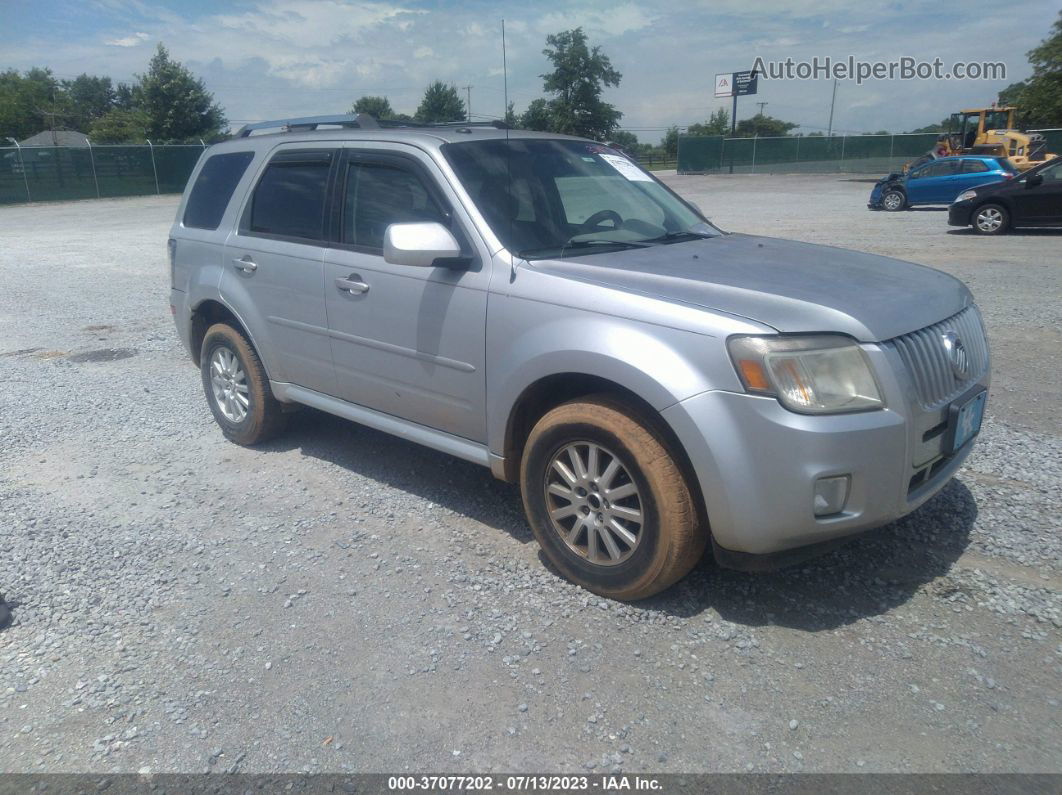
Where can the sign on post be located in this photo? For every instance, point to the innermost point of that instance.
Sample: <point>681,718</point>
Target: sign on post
<point>736,84</point>
<point>745,83</point>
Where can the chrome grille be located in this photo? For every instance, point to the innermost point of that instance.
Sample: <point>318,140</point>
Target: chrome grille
<point>925,357</point>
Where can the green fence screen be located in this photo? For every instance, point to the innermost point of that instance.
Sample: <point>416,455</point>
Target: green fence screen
<point>50,173</point>
<point>859,154</point>
<point>800,154</point>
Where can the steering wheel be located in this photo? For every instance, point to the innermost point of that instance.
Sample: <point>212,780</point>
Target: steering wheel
<point>603,215</point>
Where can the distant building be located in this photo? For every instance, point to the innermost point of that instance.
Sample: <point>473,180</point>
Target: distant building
<point>57,138</point>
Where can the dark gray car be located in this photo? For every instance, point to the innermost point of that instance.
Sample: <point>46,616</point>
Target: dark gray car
<point>542,306</point>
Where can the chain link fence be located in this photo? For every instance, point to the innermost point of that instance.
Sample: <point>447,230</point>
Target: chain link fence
<point>800,154</point>
<point>50,173</point>
<point>816,154</point>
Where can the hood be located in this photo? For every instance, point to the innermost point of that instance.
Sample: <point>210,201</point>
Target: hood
<point>790,286</point>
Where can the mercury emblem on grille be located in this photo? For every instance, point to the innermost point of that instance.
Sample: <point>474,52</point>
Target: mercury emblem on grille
<point>957,355</point>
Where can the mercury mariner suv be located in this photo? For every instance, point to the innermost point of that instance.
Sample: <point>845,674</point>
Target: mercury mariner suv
<point>542,306</point>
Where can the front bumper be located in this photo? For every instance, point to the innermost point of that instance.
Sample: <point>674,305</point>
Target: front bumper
<point>959,214</point>
<point>757,464</point>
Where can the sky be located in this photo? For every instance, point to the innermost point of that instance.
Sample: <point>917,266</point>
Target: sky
<point>267,59</point>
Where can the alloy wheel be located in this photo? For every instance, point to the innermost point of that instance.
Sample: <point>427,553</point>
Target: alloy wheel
<point>593,503</point>
<point>989,219</point>
<point>229,383</point>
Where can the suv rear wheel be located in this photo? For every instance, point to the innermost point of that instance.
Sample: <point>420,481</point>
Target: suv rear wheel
<point>606,501</point>
<point>237,388</point>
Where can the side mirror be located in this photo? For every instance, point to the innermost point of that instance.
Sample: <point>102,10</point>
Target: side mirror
<point>1034,180</point>
<point>420,244</point>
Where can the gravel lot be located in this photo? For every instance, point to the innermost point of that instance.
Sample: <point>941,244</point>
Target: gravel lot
<point>344,601</point>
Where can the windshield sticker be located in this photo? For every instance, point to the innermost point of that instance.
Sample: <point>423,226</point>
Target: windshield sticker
<point>626,168</point>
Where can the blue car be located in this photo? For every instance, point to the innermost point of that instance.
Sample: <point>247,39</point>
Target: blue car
<point>938,181</point>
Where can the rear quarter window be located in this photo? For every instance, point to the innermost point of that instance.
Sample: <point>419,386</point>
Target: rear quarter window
<point>213,188</point>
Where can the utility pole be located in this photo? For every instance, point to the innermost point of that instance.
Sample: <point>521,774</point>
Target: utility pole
<point>829,129</point>
<point>761,104</point>
<point>468,103</point>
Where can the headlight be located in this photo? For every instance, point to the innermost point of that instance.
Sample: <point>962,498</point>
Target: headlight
<point>965,195</point>
<point>820,374</point>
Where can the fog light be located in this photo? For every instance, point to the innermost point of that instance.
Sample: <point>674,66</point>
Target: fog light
<point>831,494</point>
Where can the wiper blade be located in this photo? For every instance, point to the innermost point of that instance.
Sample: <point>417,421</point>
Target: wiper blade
<point>592,243</point>
<point>604,241</point>
<point>679,236</point>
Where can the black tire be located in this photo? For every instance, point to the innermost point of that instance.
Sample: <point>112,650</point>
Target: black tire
<point>894,200</point>
<point>263,415</point>
<point>990,219</point>
<point>5,613</point>
<point>669,539</point>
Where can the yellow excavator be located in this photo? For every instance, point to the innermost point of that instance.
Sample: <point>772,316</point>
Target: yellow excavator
<point>993,131</point>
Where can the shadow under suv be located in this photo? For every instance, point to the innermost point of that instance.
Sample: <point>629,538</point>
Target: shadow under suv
<point>542,306</point>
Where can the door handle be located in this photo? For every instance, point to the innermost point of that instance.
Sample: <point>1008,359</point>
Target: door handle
<point>352,285</point>
<point>245,263</point>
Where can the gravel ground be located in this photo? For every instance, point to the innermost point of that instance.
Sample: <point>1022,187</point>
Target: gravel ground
<point>344,601</point>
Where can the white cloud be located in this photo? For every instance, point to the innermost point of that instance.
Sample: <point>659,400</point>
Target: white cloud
<point>613,21</point>
<point>275,58</point>
<point>128,41</point>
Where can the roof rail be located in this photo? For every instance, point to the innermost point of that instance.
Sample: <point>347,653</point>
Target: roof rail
<point>362,120</point>
<point>497,124</point>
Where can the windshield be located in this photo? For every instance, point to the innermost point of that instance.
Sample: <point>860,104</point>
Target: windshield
<point>558,198</point>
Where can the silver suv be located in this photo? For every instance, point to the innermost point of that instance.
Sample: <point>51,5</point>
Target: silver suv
<point>542,306</point>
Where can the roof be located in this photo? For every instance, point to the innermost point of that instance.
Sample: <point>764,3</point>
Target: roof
<point>57,138</point>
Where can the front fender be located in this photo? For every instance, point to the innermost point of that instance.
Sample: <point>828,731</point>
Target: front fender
<point>530,341</point>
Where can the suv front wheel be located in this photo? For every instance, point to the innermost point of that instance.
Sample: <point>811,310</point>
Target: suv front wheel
<point>607,502</point>
<point>237,388</point>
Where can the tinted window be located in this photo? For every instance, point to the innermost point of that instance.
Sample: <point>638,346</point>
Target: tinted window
<point>213,188</point>
<point>290,198</point>
<point>942,168</point>
<point>378,195</point>
<point>973,167</point>
<point>1052,173</point>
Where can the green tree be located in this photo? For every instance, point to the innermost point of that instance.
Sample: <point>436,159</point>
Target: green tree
<point>764,127</point>
<point>120,126</point>
<point>441,103</point>
<point>176,102</point>
<point>30,103</point>
<point>1040,97</point>
<point>627,141</point>
<point>377,107</point>
<point>125,97</point>
<point>670,141</point>
<point>511,119</point>
<point>537,116</point>
<point>89,98</point>
<point>580,75</point>
<point>718,124</point>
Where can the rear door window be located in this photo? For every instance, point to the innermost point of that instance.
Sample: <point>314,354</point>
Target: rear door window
<point>973,167</point>
<point>213,188</point>
<point>289,200</point>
